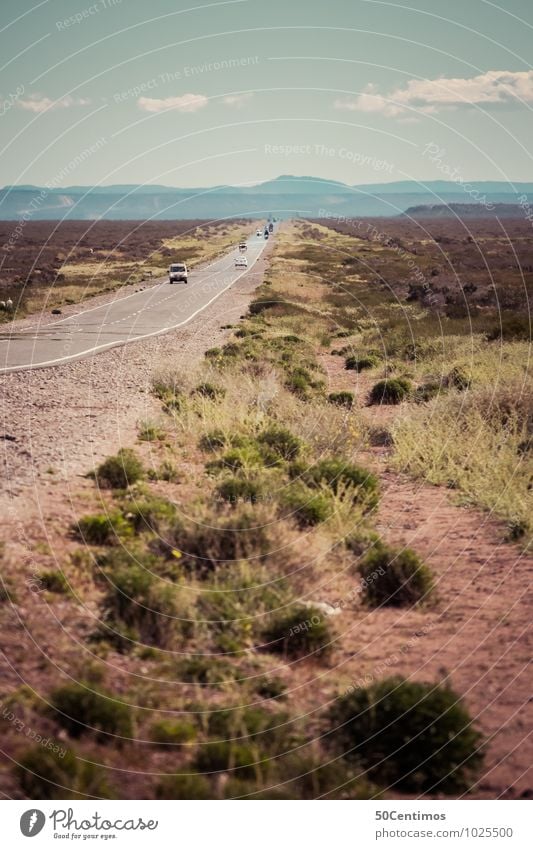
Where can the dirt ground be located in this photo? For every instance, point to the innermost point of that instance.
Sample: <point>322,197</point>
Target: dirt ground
<point>58,423</point>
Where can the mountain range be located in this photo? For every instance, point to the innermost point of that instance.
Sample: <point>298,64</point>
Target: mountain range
<point>283,197</point>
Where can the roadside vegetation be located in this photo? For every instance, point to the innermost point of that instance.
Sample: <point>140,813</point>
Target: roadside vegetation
<point>233,565</point>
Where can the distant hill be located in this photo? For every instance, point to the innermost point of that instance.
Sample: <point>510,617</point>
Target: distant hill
<point>285,197</point>
<point>465,210</point>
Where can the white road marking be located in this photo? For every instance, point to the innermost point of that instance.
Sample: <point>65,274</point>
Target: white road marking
<point>119,342</point>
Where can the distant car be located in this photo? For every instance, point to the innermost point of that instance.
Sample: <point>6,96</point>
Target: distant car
<point>271,227</point>
<point>177,273</point>
<point>258,233</point>
<point>243,247</point>
<point>266,234</point>
<point>241,262</point>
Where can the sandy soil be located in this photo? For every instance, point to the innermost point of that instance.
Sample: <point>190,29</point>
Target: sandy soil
<point>475,635</point>
<point>478,634</point>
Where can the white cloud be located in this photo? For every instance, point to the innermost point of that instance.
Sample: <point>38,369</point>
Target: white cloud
<point>237,101</point>
<point>40,103</point>
<point>429,96</point>
<point>185,103</point>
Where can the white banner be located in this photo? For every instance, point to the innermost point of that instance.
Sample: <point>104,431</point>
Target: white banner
<point>269,825</point>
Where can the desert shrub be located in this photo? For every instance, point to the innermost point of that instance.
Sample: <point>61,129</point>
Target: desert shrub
<point>511,327</point>
<point>428,391</point>
<point>342,399</point>
<point>271,688</point>
<point>307,506</point>
<point>210,390</point>
<point>339,475</point>
<point>102,528</point>
<point>191,786</point>
<point>394,578</point>
<point>247,456</point>
<point>213,440</point>
<point>47,774</point>
<point>299,381</point>
<point>120,471</point>
<point>207,547</point>
<point>167,471</point>
<point>80,710</point>
<point>228,756</point>
<point>140,601</point>
<point>360,362</point>
<point>150,514</point>
<point>206,670</point>
<point>240,490</point>
<point>54,581</point>
<point>392,390</point>
<point>301,632</point>
<point>281,441</point>
<point>173,732</point>
<point>458,378</point>
<point>260,304</point>
<point>213,353</point>
<point>150,432</point>
<point>318,777</point>
<point>416,737</point>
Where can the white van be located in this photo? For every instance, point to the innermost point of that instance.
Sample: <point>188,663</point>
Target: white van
<point>177,273</point>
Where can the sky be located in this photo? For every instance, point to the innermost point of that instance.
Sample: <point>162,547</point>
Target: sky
<point>200,94</point>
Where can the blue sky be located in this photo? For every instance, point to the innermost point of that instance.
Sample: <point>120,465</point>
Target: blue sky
<point>198,94</point>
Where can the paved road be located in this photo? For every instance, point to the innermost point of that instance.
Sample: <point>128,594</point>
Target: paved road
<point>155,310</point>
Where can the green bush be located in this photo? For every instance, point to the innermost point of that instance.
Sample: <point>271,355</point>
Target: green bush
<point>228,756</point>
<point>281,441</point>
<point>150,432</point>
<point>307,506</point>
<point>191,786</point>
<point>342,399</point>
<point>141,602</point>
<point>173,732</point>
<point>102,528</point>
<point>209,390</point>
<point>151,514</point>
<point>120,471</point>
<point>271,688</point>
<point>206,670</point>
<point>394,578</point>
<point>47,774</point>
<point>80,710</point>
<point>207,547</point>
<point>301,381</point>
<point>511,327</point>
<point>213,440</point>
<point>428,391</point>
<point>392,390</point>
<point>360,362</point>
<point>54,581</point>
<point>417,738</point>
<point>301,632</point>
<point>338,475</point>
<point>458,378</point>
<point>240,490</point>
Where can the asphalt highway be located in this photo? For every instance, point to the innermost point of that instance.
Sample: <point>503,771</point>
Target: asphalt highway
<point>130,318</point>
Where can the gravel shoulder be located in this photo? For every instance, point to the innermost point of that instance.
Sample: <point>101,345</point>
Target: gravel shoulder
<point>59,422</point>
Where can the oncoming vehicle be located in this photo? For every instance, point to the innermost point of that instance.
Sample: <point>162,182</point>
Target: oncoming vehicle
<point>243,247</point>
<point>258,233</point>
<point>241,262</point>
<point>177,273</point>
<point>266,234</point>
